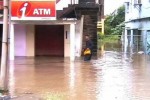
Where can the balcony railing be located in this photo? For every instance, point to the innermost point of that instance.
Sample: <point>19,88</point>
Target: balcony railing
<point>74,2</point>
<point>77,1</point>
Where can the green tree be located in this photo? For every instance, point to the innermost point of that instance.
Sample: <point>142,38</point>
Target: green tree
<point>108,27</point>
<point>115,21</point>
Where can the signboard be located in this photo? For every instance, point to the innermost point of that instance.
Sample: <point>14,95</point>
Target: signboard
<point>33,10</point>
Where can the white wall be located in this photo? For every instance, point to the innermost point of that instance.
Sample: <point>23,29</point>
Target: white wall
<point>78,37</point>
<point>133,11</point>
<point>145,8</point>
<point>24,40</point>
<point>67,40</point>
<point>20,39</point>
<point>142,25</point>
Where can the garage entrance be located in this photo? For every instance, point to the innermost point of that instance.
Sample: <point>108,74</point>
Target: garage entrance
<point>49,40</point>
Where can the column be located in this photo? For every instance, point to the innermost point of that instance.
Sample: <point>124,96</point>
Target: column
<point>72,42</point>
<point>131,38</point>
<point>81,35</point>
<point>11,46</point>
<point>125,41</point>
<point>67,40</point>
<point>30,36</point>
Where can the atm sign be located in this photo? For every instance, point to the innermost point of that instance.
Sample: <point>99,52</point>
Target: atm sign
<point>33,10</point>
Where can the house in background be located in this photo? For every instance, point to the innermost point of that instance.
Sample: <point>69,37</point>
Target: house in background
<point>55,31</point>
<point>100,26</point>
<point>137,25</point>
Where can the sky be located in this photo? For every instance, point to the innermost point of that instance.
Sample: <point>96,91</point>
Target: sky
<point>111,5</point>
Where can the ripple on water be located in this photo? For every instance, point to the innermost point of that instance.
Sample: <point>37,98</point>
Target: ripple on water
<point>112,59</point>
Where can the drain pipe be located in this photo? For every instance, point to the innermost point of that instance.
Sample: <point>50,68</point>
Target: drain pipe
<point>4,57</point>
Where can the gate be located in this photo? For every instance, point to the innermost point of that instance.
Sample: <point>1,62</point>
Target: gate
<point>148,43</point>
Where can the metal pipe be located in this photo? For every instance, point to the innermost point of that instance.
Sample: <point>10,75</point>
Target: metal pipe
<point>4,57</point>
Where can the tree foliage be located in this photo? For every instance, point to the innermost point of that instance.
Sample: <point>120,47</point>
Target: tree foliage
<point>115,21</point>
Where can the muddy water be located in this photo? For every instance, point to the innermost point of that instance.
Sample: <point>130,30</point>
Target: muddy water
<point>115,75</point>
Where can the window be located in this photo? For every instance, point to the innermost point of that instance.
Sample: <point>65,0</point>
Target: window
<point>137,1</point>
<point>137,4</point>
<point>127,7</point>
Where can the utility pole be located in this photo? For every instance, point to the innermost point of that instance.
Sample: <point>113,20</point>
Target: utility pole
<point>4,57</point>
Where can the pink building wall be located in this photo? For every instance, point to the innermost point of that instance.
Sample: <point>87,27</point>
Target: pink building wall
<point>20,40</point>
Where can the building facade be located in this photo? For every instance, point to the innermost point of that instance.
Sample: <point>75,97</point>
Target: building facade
<point>137,25</point>
<point>34,33</point>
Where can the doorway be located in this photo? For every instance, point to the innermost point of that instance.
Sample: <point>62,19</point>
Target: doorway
<point>49,40</point>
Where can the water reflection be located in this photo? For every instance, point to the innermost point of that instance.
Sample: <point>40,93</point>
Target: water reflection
<point>117,78</point>
<point>115,75</point>
<point>11,78</point>
<point>72,75</point>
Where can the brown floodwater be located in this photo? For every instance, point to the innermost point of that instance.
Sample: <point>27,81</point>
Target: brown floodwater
<point>115,75</point>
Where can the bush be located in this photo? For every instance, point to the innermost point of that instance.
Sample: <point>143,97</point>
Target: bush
<point>100,35</point>
<point>109,39</point>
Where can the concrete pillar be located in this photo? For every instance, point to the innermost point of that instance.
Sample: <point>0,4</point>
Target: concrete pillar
<point>11,47</point>
<point>125,41</point>
<point>72,42</point>
<point>103,26</point>
<point>30,52</point>
<point>131,38</point>
<point>67,40</point>
<point>79,36</point>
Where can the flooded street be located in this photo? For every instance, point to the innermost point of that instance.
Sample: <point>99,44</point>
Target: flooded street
<point>115,75</point>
